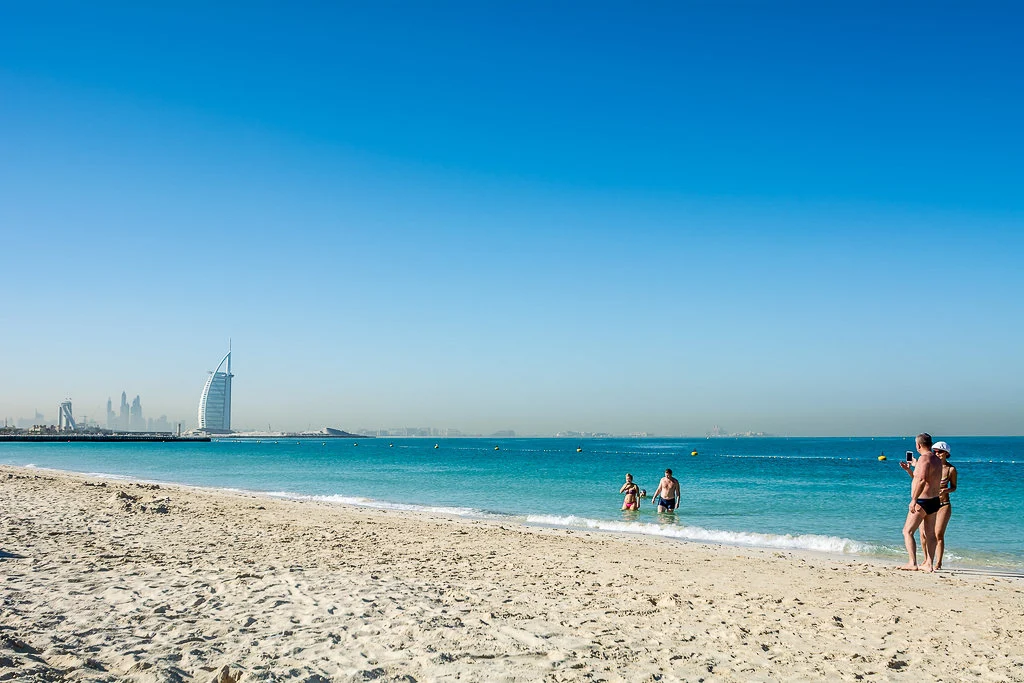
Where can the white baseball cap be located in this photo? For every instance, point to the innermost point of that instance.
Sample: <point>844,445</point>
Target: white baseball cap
<point>940,446</point>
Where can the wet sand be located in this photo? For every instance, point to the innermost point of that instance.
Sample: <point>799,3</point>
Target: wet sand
<point>111,581</point>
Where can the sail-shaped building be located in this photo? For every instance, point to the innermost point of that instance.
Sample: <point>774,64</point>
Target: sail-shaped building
<point>215,401</point>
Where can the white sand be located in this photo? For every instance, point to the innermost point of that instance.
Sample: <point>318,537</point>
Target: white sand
<point>172,584</point>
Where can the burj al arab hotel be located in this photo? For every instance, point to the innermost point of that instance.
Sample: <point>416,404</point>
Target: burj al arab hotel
<point>215,401</point>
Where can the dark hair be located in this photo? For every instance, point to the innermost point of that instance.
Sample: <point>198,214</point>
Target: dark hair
<point>925,439</point>
<point>668,472</point>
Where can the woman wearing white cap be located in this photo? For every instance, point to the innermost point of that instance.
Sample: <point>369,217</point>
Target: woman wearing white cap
<point>946,486</point>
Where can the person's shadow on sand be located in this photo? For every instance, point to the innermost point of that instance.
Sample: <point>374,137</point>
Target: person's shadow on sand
<point>4,555</point>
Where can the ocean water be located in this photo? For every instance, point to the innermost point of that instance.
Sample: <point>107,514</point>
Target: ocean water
<point>830,495</point>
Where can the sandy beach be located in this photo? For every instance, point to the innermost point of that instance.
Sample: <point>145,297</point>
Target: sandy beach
<point>111,580</point>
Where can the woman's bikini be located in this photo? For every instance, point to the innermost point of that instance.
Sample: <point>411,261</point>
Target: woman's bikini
<point>944,486</point>
<point>632,494</point>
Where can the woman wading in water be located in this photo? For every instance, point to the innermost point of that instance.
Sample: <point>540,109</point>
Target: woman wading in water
<point>632,493</point>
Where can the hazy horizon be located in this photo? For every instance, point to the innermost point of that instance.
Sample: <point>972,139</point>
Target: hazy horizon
<point>799,220</point>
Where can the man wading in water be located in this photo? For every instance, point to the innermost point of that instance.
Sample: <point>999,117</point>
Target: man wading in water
<point>667,495</point>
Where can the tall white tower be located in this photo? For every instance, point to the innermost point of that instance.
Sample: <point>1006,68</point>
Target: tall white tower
<point>215,401</point>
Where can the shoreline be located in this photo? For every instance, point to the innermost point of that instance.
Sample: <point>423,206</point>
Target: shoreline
<point>122,580</point>
<point>453,513</point>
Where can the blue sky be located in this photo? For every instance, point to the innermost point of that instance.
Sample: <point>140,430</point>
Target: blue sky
<point>798,218</point>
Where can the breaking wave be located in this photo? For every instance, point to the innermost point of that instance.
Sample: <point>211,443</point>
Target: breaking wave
<point>382,504</point>
<point>827,544</point>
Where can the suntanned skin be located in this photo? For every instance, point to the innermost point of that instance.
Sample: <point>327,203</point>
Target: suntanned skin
<point>925,484</point>
<point>668,488</point>
<point>632,492</point>
<point>946,511</point>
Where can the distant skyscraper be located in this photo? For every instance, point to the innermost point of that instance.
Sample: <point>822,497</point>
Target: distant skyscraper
<point>65,420</point>
<point>135,422</point>
<point>111,418</point>
<point>122,421</point>
<point>215,401</point>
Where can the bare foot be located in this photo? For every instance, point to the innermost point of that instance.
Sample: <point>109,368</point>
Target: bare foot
<point>908,568</point>
<point>927,568</point>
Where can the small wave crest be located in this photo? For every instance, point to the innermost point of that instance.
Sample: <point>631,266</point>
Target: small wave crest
<point>381,504</point>
<point>828,544</point>
<point>106,475</point>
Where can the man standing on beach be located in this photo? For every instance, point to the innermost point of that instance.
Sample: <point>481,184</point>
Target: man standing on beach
<point>666,497</point>
<point>924,503</point>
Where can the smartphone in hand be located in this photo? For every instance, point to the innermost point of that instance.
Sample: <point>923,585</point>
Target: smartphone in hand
<point>910,456</point>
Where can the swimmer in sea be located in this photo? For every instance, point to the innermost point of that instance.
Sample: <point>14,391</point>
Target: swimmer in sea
<point>632,493</point>
<point>666,497</point>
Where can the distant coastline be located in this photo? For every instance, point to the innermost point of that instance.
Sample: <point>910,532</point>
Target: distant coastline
<point>105,438</point>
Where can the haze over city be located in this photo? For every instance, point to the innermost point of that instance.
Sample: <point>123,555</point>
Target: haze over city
<point>787,218</point>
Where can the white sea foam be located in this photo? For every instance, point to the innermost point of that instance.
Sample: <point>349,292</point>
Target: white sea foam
<point>829,544</point>
<point>381,504</point>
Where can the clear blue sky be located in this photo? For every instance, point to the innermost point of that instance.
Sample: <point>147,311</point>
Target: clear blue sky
<point>798,218</point>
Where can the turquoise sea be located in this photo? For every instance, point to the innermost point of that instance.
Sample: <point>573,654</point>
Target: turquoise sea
<point>827,494</point>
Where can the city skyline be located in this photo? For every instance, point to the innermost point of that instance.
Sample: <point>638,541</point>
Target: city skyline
<point>792,219</point>
<point>128,418</point>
